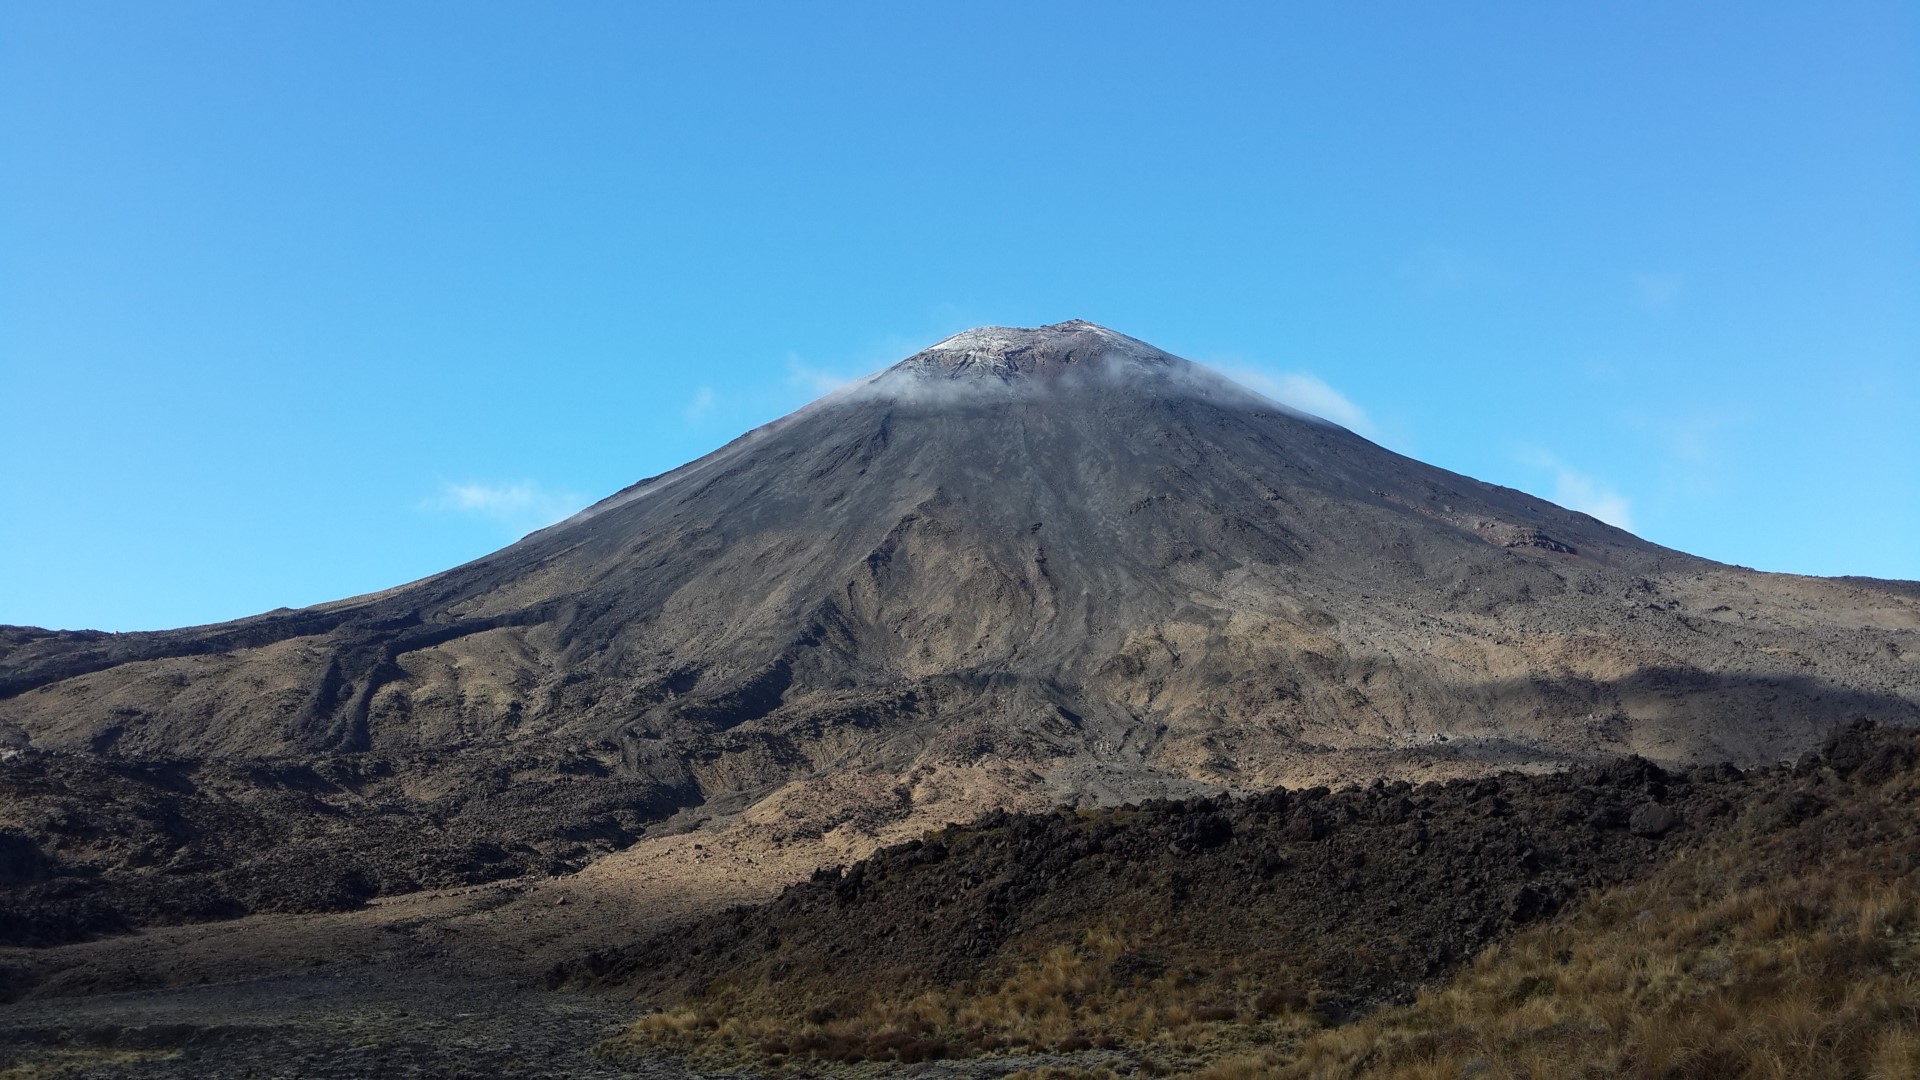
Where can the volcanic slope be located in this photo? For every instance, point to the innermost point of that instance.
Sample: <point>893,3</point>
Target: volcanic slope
<point>1020,567</point>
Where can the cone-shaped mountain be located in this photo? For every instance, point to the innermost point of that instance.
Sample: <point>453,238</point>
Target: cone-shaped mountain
<point>1061,552</point>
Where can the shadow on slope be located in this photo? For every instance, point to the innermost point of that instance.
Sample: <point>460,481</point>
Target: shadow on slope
<point>94,846</point>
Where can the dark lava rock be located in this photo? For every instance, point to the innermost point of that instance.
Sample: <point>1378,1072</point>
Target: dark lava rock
<point>108,846</point>
<point>1652,820</point>
<point>1360,916</point>
<point>21,860</point>
<point>1304,826</point>
<point>1137,965</point>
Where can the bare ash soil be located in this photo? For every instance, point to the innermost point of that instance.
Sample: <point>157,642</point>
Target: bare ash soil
<point>324,1025</point>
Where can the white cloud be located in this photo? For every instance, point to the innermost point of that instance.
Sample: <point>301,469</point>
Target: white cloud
<point>700,406</point>
<point>814,381</point>
<point>1576,490</point>
<point>523,505</point>
<point>1307,392</point>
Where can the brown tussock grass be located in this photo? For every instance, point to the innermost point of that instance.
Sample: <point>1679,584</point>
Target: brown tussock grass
<point>1068,998</point>
<point>1692,973</point>
<point>1687,975</point>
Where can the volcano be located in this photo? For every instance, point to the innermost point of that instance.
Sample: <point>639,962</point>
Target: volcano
<point>1059,548</point>
<point>1023,567</point>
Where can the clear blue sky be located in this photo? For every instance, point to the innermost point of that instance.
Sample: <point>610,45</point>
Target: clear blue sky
<point>299,301</point>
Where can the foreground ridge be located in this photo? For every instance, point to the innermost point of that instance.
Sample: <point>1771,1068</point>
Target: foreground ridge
<point>1279,935</point>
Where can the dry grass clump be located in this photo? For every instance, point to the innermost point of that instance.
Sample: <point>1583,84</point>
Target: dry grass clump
<point>1694,973</point>
<point>1103,992</point>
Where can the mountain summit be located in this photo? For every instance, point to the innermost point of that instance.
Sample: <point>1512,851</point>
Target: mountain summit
<point>1052,563</point>
<point>1006,353</point>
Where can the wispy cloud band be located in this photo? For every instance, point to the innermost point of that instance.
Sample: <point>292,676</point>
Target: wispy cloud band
<point>1576,490</point>
<point>521,505</point>
<point>1306,392</point>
